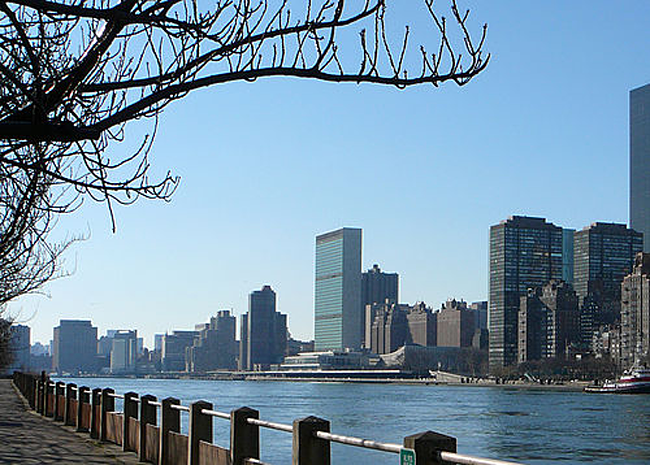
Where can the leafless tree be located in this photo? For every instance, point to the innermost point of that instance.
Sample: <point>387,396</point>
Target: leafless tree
<point>75,72</point>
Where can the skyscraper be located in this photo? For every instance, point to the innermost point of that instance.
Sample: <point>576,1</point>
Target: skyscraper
<point>74,347</point>
<point>263,337</point>
<point>640,162</point>
<point>215,347</point>
<point>525,252</point>
<point>567,255</point>
<point>376,288</point>
<point>338,319</point>
<point>174,346</point>
<point>604,255</point>
<point>124,351</point>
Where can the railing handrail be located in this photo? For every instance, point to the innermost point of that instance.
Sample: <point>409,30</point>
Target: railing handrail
<point>215,413</point>
<point>182,408</point>
<point>359,442</point>
<point>462,459</point>
<point>252,461</point>
<point>270,424</point>
<point>157,404</point>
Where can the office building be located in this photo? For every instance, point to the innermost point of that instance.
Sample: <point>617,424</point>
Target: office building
<point>635,314</point>
<point>456,324</point>
<point>562,321</point>
<point>263,336</point>
<point>174,345</point>
<point>157,342</point>
<point>640,162</point>
<point>480,309</point>
<point>604,255</point>
<point>377,287</point>
<point>74,347</point>
<point>525,252</point>
<point>532,326</point>
<point>338,315</point>
<point>124,351</point>
<point>423,325</point>
<point>567,255</point>
<point>548,322</point>
<point>215,348</point>
<point>390,329</point>
<point>396,325</point>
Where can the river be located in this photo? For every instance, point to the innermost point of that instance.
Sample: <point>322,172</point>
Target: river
<point>531,426</point>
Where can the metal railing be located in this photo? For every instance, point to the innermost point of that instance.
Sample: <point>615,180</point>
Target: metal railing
<point>180,407</point>
<point>358,442</point>
<point>461,459</point>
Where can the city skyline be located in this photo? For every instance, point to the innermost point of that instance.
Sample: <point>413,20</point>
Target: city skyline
<point>424,172</point>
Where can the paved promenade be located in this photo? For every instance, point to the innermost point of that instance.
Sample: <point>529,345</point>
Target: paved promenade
<point>28,438</point>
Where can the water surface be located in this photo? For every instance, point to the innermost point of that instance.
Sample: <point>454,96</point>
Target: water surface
<point>537,427</point>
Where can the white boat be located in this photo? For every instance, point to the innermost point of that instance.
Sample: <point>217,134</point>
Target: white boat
<point>636,380</point>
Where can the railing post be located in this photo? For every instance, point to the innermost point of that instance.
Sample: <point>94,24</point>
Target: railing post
<point>244,437</point>
<point>96,402</point>
<point>50,389</point>
<point>42,399</point>
<point>200,430</point>
<point>31,381</point>
<point>39,396</point>
<point>147,417</point>
<point>59,390</point>
<point>83,397</point>
<point>307,448</point>
<point>428,445</point>
<point>108,405</point>
<point>130,411</point>
<point>70,394</point>
<point>170,420</point>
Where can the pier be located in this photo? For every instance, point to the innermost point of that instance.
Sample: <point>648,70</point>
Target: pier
<point>149,429</point>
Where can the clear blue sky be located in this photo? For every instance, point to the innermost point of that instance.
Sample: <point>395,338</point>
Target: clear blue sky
<point>266,166</point>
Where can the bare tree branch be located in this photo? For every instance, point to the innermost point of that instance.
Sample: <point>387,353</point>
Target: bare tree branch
<point>73,73</point>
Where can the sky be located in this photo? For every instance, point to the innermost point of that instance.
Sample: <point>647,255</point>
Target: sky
<point>266,166</point>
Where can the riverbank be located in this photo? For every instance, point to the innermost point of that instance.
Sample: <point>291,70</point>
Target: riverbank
<point>441,379</point>
<point>28,438</point>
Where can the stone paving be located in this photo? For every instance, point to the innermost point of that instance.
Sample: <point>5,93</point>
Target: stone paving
<point>28,438</point>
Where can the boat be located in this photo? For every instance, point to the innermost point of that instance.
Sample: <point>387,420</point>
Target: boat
<point>636,380</point>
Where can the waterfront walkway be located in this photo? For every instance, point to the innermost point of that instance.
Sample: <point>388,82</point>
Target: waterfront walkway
<point>28,438</point>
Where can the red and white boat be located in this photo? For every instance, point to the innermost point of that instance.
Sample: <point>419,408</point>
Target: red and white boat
<point>636,380</point>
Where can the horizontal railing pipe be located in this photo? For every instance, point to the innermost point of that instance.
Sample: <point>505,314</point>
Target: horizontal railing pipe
<point>270,425</point>
<point>214,413</point>
<point>182,408</point>
<point>450,457</point>
<point>358,442</point>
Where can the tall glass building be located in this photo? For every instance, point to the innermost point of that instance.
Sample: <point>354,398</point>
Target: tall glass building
<point>640,162</point>
<point>338,319</point>
<point>525,252</point>
<point>567,255</point>
<point>604,254</point>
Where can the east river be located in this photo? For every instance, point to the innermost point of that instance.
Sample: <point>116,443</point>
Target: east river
<point>531,426</point>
